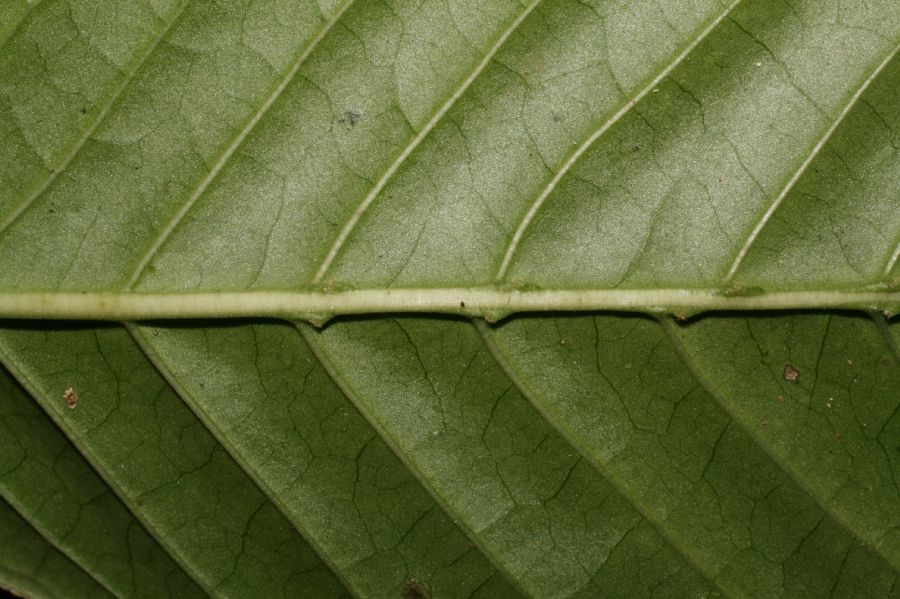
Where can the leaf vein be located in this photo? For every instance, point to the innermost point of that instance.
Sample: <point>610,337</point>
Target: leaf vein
<point>597,134</point>
<point>588,456</point>
<point>392,169</point>
<point>104,112</point>
<point>232,147</point>
<point>708,386</point>
<point>767,215</point>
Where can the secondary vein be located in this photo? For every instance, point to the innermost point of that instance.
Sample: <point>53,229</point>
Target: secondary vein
<point>414,143</point>
<point>233,146</point>
<point>597,134</point>
<point>98,120</point>
<point>738,260</point>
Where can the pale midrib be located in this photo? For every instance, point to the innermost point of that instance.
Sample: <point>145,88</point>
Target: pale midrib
<point>388,174</point>
<point>309,337</point>
<point>162,540</point>
<point>588,142</point>
<point>693,366</point>
<point>76,148</point>
<point>841,116</point>
<point>236,142</point>
<point>51,540</point>
<point>491,303</point>
<point>606,473</point>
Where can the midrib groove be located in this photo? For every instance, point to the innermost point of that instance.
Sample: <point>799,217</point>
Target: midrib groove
<point>811,156</point>
<point>26,382</point>
<point>598,467</point>
<point>235,143</point>
<point>589,141</point>
<point>209,423</point>
<point>104,112</point>
<point>691,364</point>
<point>400,159</point>
<point>309,338</point>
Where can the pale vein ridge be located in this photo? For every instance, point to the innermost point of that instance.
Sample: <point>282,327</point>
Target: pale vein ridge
<point>707,385</point>
<point>590,140</point>
<point>100,118</point>
<point>490,303</point>
<point>61,547</point>
<point>414,143</point>
<point>236,142</point>
<point>309,338</point>
<point>892,261</point>
<point>738,260</point>
<point>162,540</point>
<point>221,437</point>
<point>12,28</point>
<point>588,456</point>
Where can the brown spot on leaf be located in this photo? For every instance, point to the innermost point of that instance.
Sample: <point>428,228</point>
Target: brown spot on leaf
<point>779,398</point>
<point>837,438</point>
<point>886,360</point>
<point>765,423</point>
<point>790,373</point>
<point>462,304</point>
<point>413,589</point>
<point>70,397</point>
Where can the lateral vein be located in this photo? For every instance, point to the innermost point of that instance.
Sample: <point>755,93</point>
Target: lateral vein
<point>414,143</point>
<point>590,140</point>
<point>74,150</point>
<point>226,155</point>
<point>738,260</point>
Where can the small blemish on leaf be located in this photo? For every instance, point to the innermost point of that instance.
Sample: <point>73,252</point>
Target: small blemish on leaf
<point>413,589</point>
<point>462,304</point>
<point>743,291</point>
<point>886,360</point>
<point>70,397</point>
<point>557,117</point>
<point>837,438</point>
<point>779,398</point>
<point>352,116</point>
<point>765,423</point>
<point>790,373</point>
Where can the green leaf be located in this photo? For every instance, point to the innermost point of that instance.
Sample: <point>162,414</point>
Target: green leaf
<point>48,482</point>
<point>29,566</point>
<point>288,161</point>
